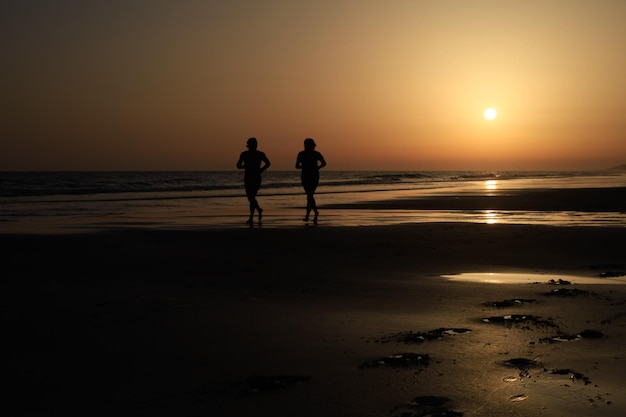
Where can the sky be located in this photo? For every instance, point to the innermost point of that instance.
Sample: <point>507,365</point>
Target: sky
<point>380,85</point>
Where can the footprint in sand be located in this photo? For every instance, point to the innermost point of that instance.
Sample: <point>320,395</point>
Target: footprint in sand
<point>513,302</point>
<point>518,397</point>
<point>585,334</point>
<point>420,337</point>
<point>511,320</point>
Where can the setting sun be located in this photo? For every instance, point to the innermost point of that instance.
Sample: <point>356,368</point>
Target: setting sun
<point>490,114</point>
<point>163,95</point>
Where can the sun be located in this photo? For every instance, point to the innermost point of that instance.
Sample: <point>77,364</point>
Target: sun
<point>490,113</point>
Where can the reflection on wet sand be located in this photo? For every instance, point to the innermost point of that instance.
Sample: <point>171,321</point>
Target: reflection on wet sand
<point>527,278</point>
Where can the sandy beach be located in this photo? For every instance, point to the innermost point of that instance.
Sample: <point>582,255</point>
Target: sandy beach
<point>162,165</point>
<point>316,321</point>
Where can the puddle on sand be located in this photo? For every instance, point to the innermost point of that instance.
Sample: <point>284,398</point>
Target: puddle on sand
<point>420,337</point>
<point>527,278</point>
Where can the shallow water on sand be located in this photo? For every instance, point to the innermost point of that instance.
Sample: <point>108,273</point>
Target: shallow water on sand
<point>527,278</point>
<point>285,207</point>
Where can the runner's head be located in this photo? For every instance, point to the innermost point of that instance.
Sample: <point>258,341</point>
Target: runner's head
<point>251,143</point>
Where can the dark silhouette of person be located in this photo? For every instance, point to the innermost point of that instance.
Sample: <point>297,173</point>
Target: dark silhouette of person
<point>310,162</point>
<point>253,162</point>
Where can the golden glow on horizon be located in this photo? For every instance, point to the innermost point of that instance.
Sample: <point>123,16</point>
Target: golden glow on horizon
<point>399,87</point>
<point>490,113</point>
<point>491,184</point>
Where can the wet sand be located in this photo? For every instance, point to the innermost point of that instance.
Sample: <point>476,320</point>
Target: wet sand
<point>311,321</point>
<point>599,199</point>
<point>507,202</point>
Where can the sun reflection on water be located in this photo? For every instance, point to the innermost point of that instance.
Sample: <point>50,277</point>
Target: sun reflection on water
<point>491,217</point>
<point>491,184</point>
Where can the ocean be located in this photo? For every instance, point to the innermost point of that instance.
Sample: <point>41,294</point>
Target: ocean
<point>41,201</point>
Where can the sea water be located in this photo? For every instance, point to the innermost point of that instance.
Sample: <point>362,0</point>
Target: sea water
<point>36,200</point>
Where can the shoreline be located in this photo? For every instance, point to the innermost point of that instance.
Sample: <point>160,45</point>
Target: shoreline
<point>561,207</point>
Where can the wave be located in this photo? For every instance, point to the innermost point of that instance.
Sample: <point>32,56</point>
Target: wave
<point>39,184</point>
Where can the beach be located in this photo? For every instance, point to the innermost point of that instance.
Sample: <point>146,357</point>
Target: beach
<point>163,162</point>
<point>321,320</point>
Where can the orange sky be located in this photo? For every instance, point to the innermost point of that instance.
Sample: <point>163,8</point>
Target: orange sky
<point>380,85</point>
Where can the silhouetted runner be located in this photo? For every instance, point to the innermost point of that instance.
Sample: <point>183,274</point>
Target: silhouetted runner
<point>254,162</point>
<point>310,162</point>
